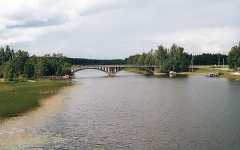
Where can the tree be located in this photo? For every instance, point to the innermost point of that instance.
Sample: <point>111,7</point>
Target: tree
<point>29,69</point>
<point>160,55</point>
<point>234,57</point>
<point>40,68</point>
<point>133,59</point>
<point>2,56</point>
<point>209,59</point>
<point>168,59</point>
<point>10,72</point>
<point>149,60</point>
<point>141,59</point>
<point>19,61</point>
<point>19,65</point>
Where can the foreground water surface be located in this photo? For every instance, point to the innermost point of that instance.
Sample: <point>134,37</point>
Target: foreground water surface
<point>133,112</point>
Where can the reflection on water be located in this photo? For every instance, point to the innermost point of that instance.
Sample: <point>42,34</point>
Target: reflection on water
<point>133,112</point>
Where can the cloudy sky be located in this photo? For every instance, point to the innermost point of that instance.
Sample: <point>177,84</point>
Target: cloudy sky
<point>118,28</point>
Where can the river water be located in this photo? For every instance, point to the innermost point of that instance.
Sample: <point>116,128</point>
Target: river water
<point>133,112</point>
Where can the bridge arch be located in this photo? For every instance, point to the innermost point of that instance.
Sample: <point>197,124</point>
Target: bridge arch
<point>110,70</point>
<point>113,69</point>
<point>80,69</point>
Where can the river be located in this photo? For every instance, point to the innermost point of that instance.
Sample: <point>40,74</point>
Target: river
<point>132,112</point>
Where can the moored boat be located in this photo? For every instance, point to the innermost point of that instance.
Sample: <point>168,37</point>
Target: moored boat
<point>172,74</point>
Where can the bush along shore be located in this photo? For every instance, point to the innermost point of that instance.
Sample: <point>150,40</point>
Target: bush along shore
<point>175,60</point>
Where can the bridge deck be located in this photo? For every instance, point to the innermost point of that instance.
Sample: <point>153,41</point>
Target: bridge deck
<point>123,66</point>
<point>113,69</point>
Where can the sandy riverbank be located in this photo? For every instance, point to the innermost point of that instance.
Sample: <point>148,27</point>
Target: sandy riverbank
<point>14,131</point>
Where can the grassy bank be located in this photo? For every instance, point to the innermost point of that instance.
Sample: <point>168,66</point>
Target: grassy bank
<point>136,70</point>
<point>225,72</point>
<point>19,97</point>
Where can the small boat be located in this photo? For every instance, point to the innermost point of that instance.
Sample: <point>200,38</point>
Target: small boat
<point>172,74</point>
<point>213,75</point>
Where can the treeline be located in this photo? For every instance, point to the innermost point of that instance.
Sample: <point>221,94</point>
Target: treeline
<point>83,61</point>
<point>234,57</point>
<point>210,59</point>
<point>20,65</point>
<point>176,59</point>
<point>169,59</point>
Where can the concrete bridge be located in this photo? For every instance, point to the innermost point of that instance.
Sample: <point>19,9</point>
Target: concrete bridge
<point>111,70</point>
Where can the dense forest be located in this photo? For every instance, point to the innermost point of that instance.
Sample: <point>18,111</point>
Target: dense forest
<point>175,58</point>
<point>234,57</point>
<point>19,65</point>
<point>83,61</point>
<point>210,59</point>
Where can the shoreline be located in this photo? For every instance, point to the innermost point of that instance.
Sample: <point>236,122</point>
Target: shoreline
<point>22,97</point>
<point>43,106</point>
<point>225,73</point>
<point>15,131</point>
<point>13,89</point>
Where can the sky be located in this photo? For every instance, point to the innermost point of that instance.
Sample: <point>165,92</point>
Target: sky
<point>106,29</point>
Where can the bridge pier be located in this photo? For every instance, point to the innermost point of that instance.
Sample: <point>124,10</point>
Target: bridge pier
<point>112,71</point>
<point>150,70</point>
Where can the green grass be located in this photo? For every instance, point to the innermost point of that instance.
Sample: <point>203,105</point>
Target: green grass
<point>19,97</point>
<point>136,70</point>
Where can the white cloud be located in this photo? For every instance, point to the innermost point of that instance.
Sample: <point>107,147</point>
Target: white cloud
<point>202,40</point>
<point>118,28</point>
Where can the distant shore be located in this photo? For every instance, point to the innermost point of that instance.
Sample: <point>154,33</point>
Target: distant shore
<point>201,70</point>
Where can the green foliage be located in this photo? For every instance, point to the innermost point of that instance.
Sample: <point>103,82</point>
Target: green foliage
<point>2,70</point>
<point>6,54</point>
<point>9,72</point>
<point>52,66</point>
<point>176,59</point>
<point>149,59</point>
<point>210,59</point>
<point>234,57</point>
<point>83,61</point>
<point>168,59</point>
<point>141,59</point>
<point>29,69</point>
<point>15,66</point>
